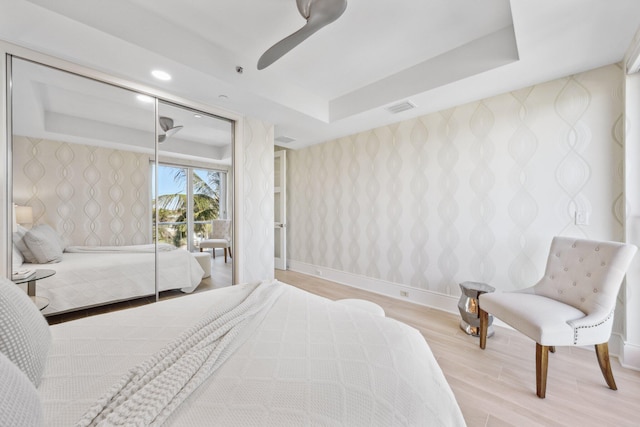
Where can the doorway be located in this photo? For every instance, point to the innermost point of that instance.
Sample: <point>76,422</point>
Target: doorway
<point>280,210</point>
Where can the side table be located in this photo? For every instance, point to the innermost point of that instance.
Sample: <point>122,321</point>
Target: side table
<point>468,306</point>
<point>39,274</point>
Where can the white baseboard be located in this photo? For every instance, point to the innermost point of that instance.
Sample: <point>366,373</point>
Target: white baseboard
<point>423,297</point>
<point>616,345</point>
<point>431,299</point>
<point>630,356</point>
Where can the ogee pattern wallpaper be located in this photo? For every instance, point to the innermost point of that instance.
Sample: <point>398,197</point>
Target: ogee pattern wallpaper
<point>258,219</point>
<point>475,192</point>
<point>89,195</point>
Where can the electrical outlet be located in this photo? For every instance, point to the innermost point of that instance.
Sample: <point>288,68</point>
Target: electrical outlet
<point>582,218</point>
<point>404,293</point>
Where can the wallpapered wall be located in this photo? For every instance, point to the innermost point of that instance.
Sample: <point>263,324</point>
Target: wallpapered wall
<point>257,201</point>
<point>475,192</point>
<point>90,195</point>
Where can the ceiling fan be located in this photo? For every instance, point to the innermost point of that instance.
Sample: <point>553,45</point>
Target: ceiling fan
<point>318,14</point>
<point>166,123</point>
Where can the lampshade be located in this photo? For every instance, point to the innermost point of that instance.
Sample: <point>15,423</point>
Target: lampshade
<point>24,215</point>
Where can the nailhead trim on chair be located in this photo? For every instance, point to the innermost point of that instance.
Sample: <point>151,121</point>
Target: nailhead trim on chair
<point>576,330</point>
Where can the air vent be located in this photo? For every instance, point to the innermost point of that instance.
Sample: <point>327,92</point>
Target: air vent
<point>399,108</point>
<point>284,139</point>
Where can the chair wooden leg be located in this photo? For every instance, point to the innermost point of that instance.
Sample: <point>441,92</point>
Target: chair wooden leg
<point>213,253</point>
<point>552,348</point>
<point>542,362</point>
<point>230,256</point>
<point>225,255</point>
<point>484,326</point>
<point>602,351</point>
<point>200,249</point>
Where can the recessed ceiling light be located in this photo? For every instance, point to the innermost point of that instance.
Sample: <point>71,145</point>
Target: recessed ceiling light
<point>197,116</point>
<point>144,98</point>
<point>161,75</point>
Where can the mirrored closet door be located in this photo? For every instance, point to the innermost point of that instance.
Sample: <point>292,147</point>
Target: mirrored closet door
<point>92,201</point>
<point>193,203</point>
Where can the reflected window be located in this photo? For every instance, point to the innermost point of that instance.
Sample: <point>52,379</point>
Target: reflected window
<point>188,199</point>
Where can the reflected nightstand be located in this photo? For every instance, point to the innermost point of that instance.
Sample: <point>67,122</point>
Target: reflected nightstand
<point>31,280</point>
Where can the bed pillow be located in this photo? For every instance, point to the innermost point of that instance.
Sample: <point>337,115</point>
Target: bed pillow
<point>19,401</point>
<point>45,244</point>
<point>24,333</point>
<point>16,259</point>
<point>18,240</point>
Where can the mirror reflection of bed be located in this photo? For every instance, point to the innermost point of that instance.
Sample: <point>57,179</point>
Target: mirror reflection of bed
<point>118,219</point>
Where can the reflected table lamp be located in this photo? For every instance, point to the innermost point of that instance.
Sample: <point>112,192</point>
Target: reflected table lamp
<point>23,215</point>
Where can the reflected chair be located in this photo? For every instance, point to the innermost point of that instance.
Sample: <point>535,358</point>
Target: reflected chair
<point>572,305</point>
<point>220,238</point>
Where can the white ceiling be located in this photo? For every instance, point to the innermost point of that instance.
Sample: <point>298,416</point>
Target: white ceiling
<point>53,104</point>
<point>434,53</point>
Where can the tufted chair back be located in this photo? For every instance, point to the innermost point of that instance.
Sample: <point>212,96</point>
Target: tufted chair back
<point>221,229</point>
<point>585,274</point>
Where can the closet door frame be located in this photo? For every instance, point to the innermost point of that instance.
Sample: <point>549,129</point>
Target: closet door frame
<point>8,50</point>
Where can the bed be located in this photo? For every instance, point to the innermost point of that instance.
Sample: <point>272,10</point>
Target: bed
<point>294,359</point>
<point>88,276</point>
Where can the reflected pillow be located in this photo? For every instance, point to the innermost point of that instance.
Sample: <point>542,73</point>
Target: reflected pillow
<point>45,244</point>
<point>24,333</point>
<point>19,401</point>
<point>18,240</point>
<point>16,259</point>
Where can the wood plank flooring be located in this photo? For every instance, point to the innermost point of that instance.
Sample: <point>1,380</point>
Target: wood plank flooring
<point>496,387</point>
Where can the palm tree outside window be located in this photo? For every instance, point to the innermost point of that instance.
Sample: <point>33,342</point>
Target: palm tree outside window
<point>188,199</point>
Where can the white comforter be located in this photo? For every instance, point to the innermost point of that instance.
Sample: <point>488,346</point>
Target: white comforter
<point>92,277</point>
<point>309,362</point>
<point>161,247</point>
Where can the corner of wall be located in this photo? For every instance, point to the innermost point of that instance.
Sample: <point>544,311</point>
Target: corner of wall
<point>257,200</point>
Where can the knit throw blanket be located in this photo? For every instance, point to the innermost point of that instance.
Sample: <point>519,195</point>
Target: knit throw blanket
<point>150,392</point>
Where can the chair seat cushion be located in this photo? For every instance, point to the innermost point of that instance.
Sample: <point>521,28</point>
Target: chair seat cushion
<point>540,318</point>
<point>214,243</point>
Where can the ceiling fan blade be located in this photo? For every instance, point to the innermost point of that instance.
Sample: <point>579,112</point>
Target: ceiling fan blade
<point>173,131</point>
<point>166,123</point>
<point>303,7</point>
<point>321,13</point>
<point>276,51</point>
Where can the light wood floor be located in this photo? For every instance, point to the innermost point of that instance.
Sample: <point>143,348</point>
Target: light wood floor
<point>496,387</point>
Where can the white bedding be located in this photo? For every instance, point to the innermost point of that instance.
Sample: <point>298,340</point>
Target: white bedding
<point>94,277</point>
<point>309,362</point>
<point>162,247</point>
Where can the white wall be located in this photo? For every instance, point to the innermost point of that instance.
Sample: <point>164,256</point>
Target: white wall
<point>631,334</point>
<point>257,201</point>
<point>471,193</point>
